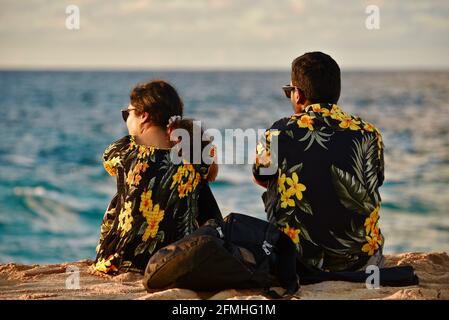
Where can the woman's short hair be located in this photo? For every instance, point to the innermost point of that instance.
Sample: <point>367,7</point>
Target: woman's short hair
<point>159,99</point>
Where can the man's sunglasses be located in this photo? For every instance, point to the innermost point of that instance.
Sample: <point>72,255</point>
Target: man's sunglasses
<point>125,113</point>
<point>288,90</point>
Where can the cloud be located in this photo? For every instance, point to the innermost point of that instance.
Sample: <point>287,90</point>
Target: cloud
<point>220,33</point>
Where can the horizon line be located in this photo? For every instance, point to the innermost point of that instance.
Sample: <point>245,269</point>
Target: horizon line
<point>211,69</point>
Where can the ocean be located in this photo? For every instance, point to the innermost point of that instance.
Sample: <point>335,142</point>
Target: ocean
<point>55,125</point>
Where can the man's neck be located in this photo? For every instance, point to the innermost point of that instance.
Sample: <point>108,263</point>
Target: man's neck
<point>299,108</point>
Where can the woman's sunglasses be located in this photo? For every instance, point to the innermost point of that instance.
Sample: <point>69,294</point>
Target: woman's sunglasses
<point>125,113</point>
<point>288,90</point>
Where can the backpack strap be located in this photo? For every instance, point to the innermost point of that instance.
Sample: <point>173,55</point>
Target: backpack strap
<point>288,293</point>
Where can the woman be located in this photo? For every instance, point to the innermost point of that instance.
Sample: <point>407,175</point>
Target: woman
<point>157,201</point>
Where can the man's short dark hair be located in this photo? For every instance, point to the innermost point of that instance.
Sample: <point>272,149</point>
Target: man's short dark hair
<point>317,75</point>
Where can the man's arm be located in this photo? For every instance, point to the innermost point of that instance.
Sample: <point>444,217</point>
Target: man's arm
<point>263,161</point>
<point>263,184</point>
<point>380,173</point>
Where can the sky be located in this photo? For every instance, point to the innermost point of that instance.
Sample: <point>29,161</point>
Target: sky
<point>222,34</point>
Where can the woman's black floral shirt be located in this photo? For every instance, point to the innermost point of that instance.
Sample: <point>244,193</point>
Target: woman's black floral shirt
<point>156,204</point>
<point>325,194</point>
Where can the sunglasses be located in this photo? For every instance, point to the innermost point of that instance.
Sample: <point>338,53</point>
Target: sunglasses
<point>288,90</point>
<point>125,113</point>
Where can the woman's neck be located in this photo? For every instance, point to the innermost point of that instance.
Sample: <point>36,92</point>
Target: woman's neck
<point>154,136</point>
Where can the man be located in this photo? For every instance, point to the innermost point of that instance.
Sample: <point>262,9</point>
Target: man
<point>325,194</point>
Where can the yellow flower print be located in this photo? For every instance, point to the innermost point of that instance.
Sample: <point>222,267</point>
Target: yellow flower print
<point>191,177</point>
<point>145,151</point>
<point>130,178</point>
<point>189,185</point>
<point>137,179</point>
<point>182,190</point>
<point>144,166</point>
<point>125,218</point>
<point>133,177</point>
<point>286,201</point>
<point>296,188</point>
<point>152,214</point>
<point>105,265</point>
<point>373,237</point>
<point>187,169</point>
<point>111,165</point>
<point>281,182</point>
<point>316,108</point>
<point>371,221</point>
<point>379,144</point>
<point>335,108</point>
<point>306,121</point>
<point>187,180</point>
<point>325,112</point>
<point>292,233</point>
<point>350,123</point>
<point>375,233</point>
<point>270,133</point>
<point>368,127</point>
<point>132,143</point>
<point>146,204</point>
<point>336,113</point>
<point>371,246</point>
<point>153,217</point>
<point>177,177</point>
<point>196,181</point>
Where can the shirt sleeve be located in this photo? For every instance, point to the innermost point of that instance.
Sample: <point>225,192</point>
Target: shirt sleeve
<point>381,168</point>
<point>107,222</point>
<point>264,167</point>
<point>113,155</point>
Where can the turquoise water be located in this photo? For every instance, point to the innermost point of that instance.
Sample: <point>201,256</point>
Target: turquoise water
<point>55,125</point>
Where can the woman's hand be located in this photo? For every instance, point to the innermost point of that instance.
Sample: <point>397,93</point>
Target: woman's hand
<point>213,172</point>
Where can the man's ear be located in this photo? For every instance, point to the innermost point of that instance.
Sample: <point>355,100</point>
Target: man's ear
<point>300,98</point>
<point>145,117</point>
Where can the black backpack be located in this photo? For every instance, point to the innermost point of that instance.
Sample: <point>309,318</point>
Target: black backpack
<point>246,252</point>
<point>239,252</point>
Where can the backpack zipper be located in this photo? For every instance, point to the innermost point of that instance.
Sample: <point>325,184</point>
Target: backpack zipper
<point>220,232</point>
<point>266,247</point>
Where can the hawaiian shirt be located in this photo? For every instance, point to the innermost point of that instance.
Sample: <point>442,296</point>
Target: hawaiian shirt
<point>157,203</point>
<point>325,193</point>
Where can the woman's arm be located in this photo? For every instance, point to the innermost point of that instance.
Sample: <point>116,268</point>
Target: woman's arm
<point>207,206</point>
<point>108,221</point>
<point>213,172</point>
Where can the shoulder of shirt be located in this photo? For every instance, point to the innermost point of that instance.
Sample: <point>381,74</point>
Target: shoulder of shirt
<point>117,146</point>
<point>280,124</point>
<point>123,140</point>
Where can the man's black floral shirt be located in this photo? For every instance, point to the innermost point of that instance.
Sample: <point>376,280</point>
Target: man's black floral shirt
<point>325,193</point>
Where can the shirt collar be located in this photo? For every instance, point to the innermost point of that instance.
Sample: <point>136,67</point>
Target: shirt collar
<point>318,106</point>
